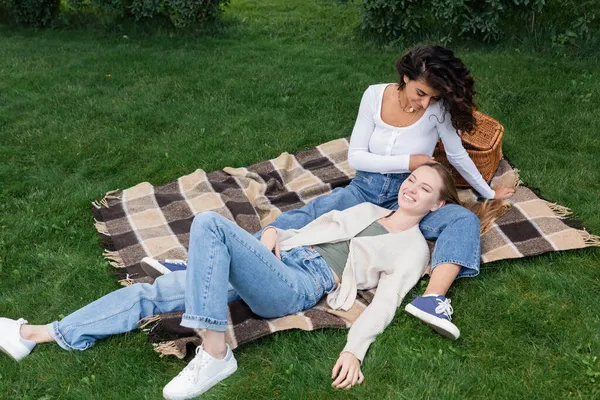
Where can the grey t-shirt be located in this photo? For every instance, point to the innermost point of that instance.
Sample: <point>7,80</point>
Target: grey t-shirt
<point>336,254</point>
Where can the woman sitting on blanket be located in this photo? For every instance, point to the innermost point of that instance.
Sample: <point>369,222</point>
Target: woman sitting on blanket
<point>286,272</point>
<point>397,128</point>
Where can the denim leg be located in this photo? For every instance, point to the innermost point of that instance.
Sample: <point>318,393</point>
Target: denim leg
<point>458,241</point>
<point>380,189</point>
<point>365,187</point>
<point>232,295</point>
<point>389,191</point>
<point>119,311</point>
<point>221,252</point>
<point>338,199</point>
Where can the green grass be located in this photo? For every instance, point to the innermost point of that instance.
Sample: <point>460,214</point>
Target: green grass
<point>84,112</point>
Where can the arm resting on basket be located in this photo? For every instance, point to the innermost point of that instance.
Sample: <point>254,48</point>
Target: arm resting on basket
<point>459,158</point>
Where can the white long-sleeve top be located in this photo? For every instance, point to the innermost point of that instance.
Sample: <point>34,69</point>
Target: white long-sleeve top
<point>379,147</point>
<point>392,262</point>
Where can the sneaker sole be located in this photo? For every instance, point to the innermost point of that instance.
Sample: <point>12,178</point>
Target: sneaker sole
<point>5,351</point>
<point>216,379</point>
<point>153,268</point>
<point>441,326</point>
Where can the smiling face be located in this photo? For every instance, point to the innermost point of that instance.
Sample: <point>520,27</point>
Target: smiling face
<point>419,94</point>
<point>420,192</point>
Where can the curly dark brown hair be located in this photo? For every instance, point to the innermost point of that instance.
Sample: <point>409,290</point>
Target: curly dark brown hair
<point>440,69</point>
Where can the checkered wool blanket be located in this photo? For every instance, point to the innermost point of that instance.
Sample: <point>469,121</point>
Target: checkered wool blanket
<point>155,221</point>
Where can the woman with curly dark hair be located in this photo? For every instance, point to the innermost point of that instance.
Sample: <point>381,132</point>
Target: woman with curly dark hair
<point>439,69</point>
<point>396,131</point>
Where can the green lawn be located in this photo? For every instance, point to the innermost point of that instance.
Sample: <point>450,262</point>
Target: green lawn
<point>85,112</point>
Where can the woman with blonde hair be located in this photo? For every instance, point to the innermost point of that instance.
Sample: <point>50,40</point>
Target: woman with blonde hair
<point>286,272</point>
<point>396,130</point>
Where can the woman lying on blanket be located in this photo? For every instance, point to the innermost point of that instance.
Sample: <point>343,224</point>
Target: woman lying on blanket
<point>397,128</point>
<point>286,272</point>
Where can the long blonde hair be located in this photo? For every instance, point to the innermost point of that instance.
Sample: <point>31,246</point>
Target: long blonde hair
<point>487,211</point>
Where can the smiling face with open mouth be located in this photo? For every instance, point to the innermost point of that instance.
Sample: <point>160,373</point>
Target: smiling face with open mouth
<point>420,192</point>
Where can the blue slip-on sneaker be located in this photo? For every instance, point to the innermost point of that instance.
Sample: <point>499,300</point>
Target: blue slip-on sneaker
<point>154,268</point>
<point>436,312</point>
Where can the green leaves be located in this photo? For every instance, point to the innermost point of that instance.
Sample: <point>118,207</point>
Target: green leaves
<point>35,13</point>
<point>181,13</point>
<point>564,22</point>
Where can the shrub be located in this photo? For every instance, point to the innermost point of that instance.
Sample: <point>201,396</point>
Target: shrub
<point>181,13</point>
<point>35,13</point>
<point>187,12</point>
<point>572,22</point>
<point>392,19</point>
<point>565,21</point>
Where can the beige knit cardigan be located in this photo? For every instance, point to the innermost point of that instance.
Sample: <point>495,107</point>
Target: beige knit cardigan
<point>392,262</point>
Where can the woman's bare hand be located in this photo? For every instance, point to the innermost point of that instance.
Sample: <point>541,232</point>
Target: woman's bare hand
<point>270,239</point>
<point>503,192</point>
<point>346,372</point>
<point>416,160</point>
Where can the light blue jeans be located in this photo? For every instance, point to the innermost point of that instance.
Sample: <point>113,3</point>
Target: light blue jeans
<point>221,253</point>
<point>454,228</point>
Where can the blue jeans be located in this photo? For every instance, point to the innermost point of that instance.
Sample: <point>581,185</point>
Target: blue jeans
<point>221,253</point>
<point>454,228</point>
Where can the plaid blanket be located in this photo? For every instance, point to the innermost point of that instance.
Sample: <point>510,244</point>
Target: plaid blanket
<point>145,220</point>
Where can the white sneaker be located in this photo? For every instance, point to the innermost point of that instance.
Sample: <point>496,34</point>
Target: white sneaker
<point>201,374</point>
<point>11,341</point>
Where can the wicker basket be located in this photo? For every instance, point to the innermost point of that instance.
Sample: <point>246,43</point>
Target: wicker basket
<point>484,146</point>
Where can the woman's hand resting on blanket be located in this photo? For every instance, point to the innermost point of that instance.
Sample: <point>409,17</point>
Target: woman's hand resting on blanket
<point>503,192</point>
<point>270,239</point>
<point>346,372</point>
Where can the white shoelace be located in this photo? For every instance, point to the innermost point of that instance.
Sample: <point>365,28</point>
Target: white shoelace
<point>445,308</point>
<point>192,370</point>
<point>176,261</point>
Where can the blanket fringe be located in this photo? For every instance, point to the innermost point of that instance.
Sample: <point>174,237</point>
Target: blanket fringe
<point>589,239</point>
<point>114,258</point>
<point>518,180</point>
<point>101,227</point>
<point>127,281</point>
<point>168,348</point>
<point>558,210</point>
<point>110,195</point>
<point>144,322</point>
